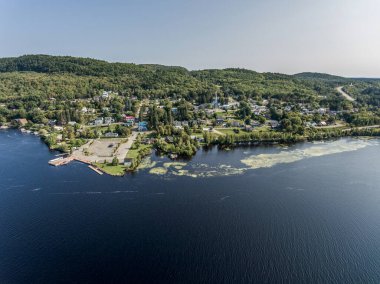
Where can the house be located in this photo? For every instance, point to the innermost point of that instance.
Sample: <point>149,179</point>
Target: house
<point>174,110</point>
<point>52,122</point>
<point>323,123</point>
<point>148,141</point>
<point>248,128</point>
<point>98,121</point>
<point>71,123</point>
<point>129,120</point>
<point>111,135</point>
<point>105,95</point>
<point>169,139</point>
<point>128,162</point>
<point>273,124</point>
<point>108,120</point>
<point>255,123</point>
<point>311,124</point>
<point>143,126</point>
<point>219,120</point>
<point>235,123</point>
<point>322,110</point>
<point>84,110</point>
<point>21,121</point>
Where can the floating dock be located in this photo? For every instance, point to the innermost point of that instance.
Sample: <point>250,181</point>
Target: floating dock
<point>95,169</point>
<point>60,161</point>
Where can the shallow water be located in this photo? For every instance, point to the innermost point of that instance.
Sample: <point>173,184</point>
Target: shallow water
<point>302,214</point>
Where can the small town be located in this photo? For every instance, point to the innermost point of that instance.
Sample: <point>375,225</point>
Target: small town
<point>232,141</point>
<point>112,133</point>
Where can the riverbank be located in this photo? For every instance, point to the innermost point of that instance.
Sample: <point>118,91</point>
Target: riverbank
<point>136,150</point>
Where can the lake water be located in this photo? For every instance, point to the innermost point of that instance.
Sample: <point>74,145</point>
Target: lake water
<point>309,213</point>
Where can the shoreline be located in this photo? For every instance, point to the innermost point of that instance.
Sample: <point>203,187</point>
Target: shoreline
<point>123,170</point>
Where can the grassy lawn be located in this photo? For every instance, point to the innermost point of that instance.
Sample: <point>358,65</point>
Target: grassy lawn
<point>118,170</point>
<point>199,135</point>
<point>230,131</point>
<point>133,153</point>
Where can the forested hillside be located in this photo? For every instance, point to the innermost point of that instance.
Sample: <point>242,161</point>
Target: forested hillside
<point>82,77</point>
<point>64,77</point>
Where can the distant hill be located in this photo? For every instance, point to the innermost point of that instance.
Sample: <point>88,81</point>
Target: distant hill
<point>75,77</point>
<point>76,65</point>
<point>319,76</point>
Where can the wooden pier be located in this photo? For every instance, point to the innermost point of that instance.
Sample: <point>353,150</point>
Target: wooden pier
<point>65,160</point>
<point>95,169</point>
<point>60,161</point>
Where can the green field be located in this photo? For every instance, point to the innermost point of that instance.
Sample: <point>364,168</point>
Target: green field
<point>133,153</point>
<point>118,170</point>
<point>230,131</point>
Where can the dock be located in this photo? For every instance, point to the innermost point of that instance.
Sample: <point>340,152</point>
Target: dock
<point>95,169</point>
<point>60,161</point>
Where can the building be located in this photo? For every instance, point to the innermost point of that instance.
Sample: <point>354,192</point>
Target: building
<point>21,121</point>
<point>322,110</point>
<point>215,103</point>
<point>128,162</point>
<point>273,124</point>
<point>143,126</point>
<point>108,120</point>
<point>219,120</point>
<point>235,123</point>
<point>174,110</point>
<point>98,121</point>
<point>111,135</point>
<point>248,128</point>
<point>129,120</point>
<point>105,95</point>
<point>52,122</point>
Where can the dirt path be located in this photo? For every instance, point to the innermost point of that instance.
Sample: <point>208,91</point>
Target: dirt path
<point>344,94</point>
<point>218,132</point>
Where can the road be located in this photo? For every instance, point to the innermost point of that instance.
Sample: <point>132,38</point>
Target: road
<point>344,94</point>
<point>100,150</point>
<point>123,149</point>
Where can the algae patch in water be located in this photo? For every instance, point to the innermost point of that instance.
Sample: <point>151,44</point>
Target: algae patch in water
<point>146,163</point>
<point>175,165</point>
<point>158,171</point>
<point>317,150</point>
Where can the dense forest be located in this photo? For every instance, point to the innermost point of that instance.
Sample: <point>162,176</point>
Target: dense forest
<point>64,77</point>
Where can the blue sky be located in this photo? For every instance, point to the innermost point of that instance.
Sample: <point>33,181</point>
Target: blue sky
<point>289,36</point>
